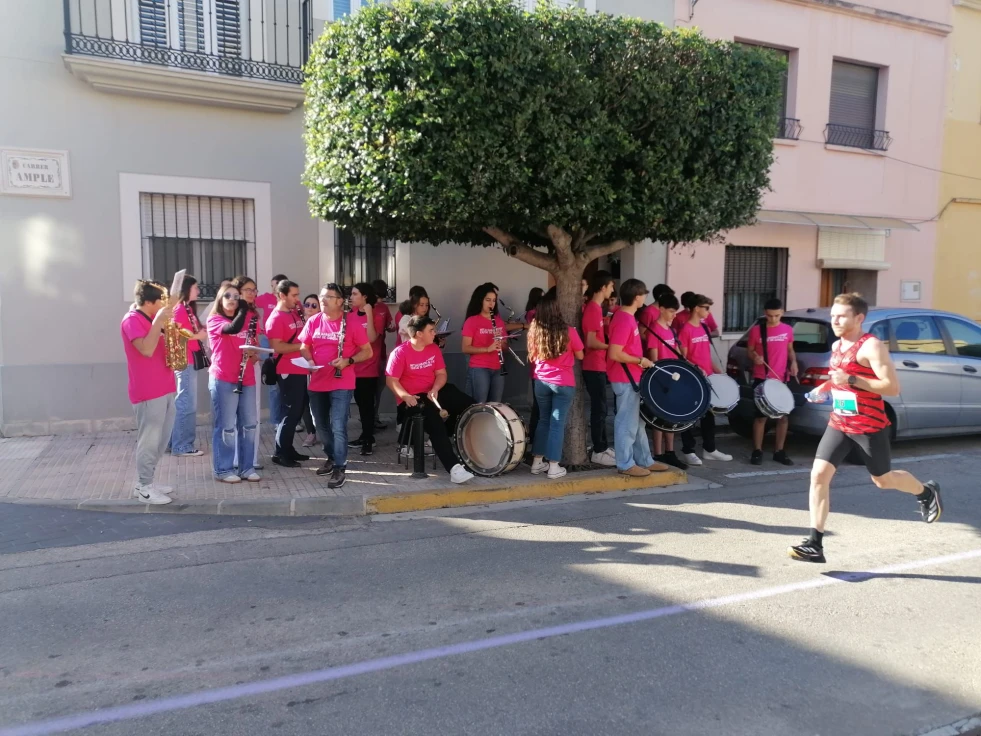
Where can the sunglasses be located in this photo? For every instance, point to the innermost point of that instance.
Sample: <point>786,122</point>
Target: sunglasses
<point>231,297</point>
<point>310,305</point>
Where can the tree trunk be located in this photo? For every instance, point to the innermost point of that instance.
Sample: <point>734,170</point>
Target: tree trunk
<point>568,285</point>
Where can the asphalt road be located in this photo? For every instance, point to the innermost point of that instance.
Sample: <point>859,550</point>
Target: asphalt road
<point>681,615</point>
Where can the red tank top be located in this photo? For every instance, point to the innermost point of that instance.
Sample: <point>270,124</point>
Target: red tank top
<point>871,409</point>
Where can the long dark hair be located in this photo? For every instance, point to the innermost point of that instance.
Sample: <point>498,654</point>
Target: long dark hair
<point>410,304</point>
<point>186,285</point>
<point>476,305</point>
<point>534,296</point>
<point>368,291</point>
<point>548,335</point>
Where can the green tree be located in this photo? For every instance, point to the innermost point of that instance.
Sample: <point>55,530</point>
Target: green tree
<point>557,136</point>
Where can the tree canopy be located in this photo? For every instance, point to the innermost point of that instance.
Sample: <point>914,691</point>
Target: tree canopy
<point>472,121</point>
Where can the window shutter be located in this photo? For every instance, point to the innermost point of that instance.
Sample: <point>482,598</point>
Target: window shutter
<point>853,92</point>
<point>341,8</point>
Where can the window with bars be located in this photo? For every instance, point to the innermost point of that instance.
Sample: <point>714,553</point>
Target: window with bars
<point>360,257</point>
<point>752,276</point>
<point>212,237</point>
<point>225,15</point>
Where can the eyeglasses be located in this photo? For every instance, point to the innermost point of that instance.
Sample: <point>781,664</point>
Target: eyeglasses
<point>704,306</point>
<point>331,296</point>
<point>249,291</point>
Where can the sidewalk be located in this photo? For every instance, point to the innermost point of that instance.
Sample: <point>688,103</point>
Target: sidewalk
<point>97,472</point>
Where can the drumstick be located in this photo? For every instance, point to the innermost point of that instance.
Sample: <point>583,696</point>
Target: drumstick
<point>674,376</point>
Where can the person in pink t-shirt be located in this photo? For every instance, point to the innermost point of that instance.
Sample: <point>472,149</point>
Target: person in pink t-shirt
<point>151,385</point>
<point>416,374</point>
<point>600,288</point>
<point>775,360</point>
<point>283,327</point>
<point>233,324</point>
<point>553,347</point>
<point>381,291</point>
<point>185,424</point>
<point>336,341</point>
<point>662,344</point>
<point>696,346</point>
<point>484,335</point>
<point>684,316</point>
<point>624,363</point>
<point>371,316</point>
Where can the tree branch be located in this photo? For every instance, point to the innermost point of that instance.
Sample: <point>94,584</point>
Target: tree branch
<point>598,251</point>
<point>516,249</point>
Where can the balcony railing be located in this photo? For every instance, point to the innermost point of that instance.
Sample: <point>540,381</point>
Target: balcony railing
<point>789,129</point>
<point>253,39</point>
<point>849,135</point>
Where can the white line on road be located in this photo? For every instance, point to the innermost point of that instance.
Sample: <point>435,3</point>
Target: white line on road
<point>794,471</point>
<point>303,679</point>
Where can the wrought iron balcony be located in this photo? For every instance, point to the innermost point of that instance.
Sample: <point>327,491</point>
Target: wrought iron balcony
<point>251,39</point>
<point>853,137</point>
<point>789,129</point>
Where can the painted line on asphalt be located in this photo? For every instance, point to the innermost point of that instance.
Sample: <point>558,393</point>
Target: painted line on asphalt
<point>382,664</point>
<point>796,471</point>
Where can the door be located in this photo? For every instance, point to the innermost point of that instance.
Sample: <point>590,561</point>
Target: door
<point>929,378</point>
<point>966,339</point>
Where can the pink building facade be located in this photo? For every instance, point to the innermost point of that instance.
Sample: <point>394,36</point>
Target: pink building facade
<point>854,184</point>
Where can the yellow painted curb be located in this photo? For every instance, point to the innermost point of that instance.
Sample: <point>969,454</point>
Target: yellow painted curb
<point>442,499</point>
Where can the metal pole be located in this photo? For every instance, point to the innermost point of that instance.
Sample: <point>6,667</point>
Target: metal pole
<point>68,26</point>
<point>418,444</point>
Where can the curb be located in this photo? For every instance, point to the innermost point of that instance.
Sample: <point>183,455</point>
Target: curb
<point>390,504</point>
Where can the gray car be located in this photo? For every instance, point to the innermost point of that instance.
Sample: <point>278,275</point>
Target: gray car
<point>937,356</point>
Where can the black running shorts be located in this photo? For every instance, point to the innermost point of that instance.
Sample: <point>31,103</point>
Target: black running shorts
<point>874,449</point>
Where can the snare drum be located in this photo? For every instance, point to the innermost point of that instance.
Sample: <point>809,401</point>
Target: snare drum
<point>670,405</point>
<point>491,439</point>
<point>773,398</point>
<point>725,393</point>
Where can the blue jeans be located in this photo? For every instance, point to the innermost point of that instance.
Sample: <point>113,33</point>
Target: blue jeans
<point>553,407</point>
<point>182,438</point>
<point>235,426</point>
<point>330,410</point>
<point>629,435</point>
<point>485,384</point>
<point>275,401</point>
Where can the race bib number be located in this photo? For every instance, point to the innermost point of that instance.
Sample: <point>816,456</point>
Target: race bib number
<point>844,403</point>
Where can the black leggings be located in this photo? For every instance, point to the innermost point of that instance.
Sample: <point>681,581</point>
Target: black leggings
<point>364,397</point>
<point>596,388</point>
<point>455,402</point>
<point>708,436</point>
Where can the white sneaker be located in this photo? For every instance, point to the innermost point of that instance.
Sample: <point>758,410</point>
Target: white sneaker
<point>459,474</point>
<point>192,453</point>
<point>310,441</point>
<point>150,495</point>
<point>162,488</point>
<point>538,466</point>
<point>556,472</point>
<point>253,477</point>
<point>691,458</point>
<point>231,479</point>
<point>408,452</point>
<point>607,458</point>
<point>716,455</point>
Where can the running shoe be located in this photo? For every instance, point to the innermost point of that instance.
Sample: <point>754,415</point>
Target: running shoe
<point>932,507</point>
<point>807,551</point>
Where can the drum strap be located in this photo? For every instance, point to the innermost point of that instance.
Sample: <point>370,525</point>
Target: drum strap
<point>766,351</point>
<point>631,377</point>
<point>714,349</point>
<point>665,343</point>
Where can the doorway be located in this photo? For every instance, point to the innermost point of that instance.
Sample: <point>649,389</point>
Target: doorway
<point>835,281</point>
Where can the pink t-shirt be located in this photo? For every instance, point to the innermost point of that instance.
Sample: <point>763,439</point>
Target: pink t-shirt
<point>267,303</point>
<point>149,378</point>
<point>182,316</point>
<point>668,335</point>
<point>592,321</point>
<point>559,371</point>
<point>322,335</point>
<point>697,347</point>
<point>682,317</point>
<point>282,326</point>
<point>480,330</point>
<point>647,316</point>
<point>371,368</point>
<point>415,369</point>
<point>778,341</point>
<point>226,350</point>
<point>624,331</point>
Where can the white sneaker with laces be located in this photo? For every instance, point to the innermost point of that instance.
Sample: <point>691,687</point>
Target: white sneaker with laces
<point>556,471</point>
<point>607,458</point>
<point>231,479</point>
<point>149,495</point>
<point>691,458</point>
<point>538,466</point>
<point>716,455</point>
<point>160,487</point>
<point>253,477</point>
<point>459,474</point>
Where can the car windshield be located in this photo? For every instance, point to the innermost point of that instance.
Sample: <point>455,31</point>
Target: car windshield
<point>810,336</point>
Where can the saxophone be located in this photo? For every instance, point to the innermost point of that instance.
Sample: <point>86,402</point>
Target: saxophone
<point>175,341</point>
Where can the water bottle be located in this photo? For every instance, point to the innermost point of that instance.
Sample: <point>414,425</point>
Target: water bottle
<point>816,397</point>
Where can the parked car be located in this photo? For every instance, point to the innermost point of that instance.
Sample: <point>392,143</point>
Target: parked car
<point>937,356</point>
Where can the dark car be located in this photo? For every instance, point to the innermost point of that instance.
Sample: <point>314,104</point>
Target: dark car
<point>937,356</point>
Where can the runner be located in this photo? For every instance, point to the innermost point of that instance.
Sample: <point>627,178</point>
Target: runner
<point>862,372</point>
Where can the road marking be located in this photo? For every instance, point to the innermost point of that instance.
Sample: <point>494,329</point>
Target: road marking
<point>895,461</point>
<point>382,664</point>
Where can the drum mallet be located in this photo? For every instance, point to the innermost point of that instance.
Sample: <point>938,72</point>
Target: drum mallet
<point>443,414</point>
<point>674,376</point>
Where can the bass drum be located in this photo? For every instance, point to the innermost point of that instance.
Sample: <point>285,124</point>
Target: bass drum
<point>673,405</point>
<point>491,439</point>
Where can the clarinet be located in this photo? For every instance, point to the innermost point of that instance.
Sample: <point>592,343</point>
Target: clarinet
<point>249,339</point>
<point>340,342</point>
<point>500,352</point>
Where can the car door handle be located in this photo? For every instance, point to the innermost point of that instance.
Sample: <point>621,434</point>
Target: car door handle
<point>911,364</point>
<point>970,369</point>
